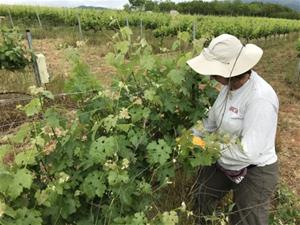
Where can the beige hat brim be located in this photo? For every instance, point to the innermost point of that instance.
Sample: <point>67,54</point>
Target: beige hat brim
<point>249,57</point>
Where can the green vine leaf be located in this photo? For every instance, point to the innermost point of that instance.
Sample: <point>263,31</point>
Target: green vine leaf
<point>102,148</point>
<point>147,62</point>
<point>145,187</point>
<point>158,152</point>
<point>22,179</point>
<point>52,118</point>
<point>138,113</point>
<point>25,216</point>
<point>110,122</point>
<point>33,107</point>
<point>182,60</point>
<point>27,157</point>
<point>68,207</point>
<point>139,219</point>
<point>123,47</point>
<point>152,96</point>
<point>6,179</point>
<point>126,33</point>
<point>204,157</point>
<point>184,36</point>
<point>23,132</point>
<point>176,76</point>
<point>117,177</point>
<point>94,185</point>
<point>48,94</point>
<point>43,197</point>
<point>169,218</point>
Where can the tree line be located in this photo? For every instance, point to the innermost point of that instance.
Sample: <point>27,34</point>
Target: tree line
<point>227,7</point>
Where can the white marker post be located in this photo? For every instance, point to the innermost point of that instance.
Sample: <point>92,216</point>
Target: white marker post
<point>42,67</point>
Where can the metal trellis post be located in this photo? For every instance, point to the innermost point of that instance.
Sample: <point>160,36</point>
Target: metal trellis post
<point>10,19</point>
<point>35,66</point>
<point>79,26</point>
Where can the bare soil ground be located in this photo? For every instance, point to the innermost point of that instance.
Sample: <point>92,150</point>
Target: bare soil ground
<point>277,67</point>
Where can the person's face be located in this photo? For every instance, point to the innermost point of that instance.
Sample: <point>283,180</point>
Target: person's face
<point>220,79</point>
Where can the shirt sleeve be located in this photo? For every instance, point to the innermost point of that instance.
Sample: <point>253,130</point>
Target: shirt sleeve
<point>258,136</point>
<point>210,123</point>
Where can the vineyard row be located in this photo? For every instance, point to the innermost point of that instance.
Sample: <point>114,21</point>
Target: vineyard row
<point>161,24</point>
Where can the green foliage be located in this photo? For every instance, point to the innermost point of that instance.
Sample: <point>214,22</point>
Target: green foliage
<point>81,79</point>
<point>13,55</point>
<point>287,207</point>
<point>231,8</point>
<point>137,4</point>
<point>106,162</point>
<point>13,183</point>
<point>159,152</point>
<point>164,24</point>
<point>25,216</point>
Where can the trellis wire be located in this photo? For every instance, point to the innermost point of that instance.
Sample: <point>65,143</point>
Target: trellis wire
<point>10,100</point>
<point>11,124</point>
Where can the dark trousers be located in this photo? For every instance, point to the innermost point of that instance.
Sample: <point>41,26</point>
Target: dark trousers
<point>251,196</point>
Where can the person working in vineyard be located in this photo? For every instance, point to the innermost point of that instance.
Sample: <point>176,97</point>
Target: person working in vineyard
<point>246,107</point>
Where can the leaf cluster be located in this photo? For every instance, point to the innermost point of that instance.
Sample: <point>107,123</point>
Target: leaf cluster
<point>13,55</point>
<point>108,161</point>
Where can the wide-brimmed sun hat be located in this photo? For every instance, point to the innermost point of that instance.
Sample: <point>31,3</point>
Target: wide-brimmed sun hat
<point>226,56</point>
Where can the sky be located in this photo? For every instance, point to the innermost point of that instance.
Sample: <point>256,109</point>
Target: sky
<point>72,3</point>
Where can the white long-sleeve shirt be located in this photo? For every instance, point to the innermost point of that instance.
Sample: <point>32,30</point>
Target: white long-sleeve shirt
<point>251,113</point>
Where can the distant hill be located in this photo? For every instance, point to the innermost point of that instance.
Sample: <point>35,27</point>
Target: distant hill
<point>293,4</point>
<point>91,7</point>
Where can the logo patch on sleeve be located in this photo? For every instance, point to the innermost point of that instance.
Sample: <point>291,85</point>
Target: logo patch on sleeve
<point>233,109</point>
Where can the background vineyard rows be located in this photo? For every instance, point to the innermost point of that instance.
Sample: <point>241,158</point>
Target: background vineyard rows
<point>161,24</point>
